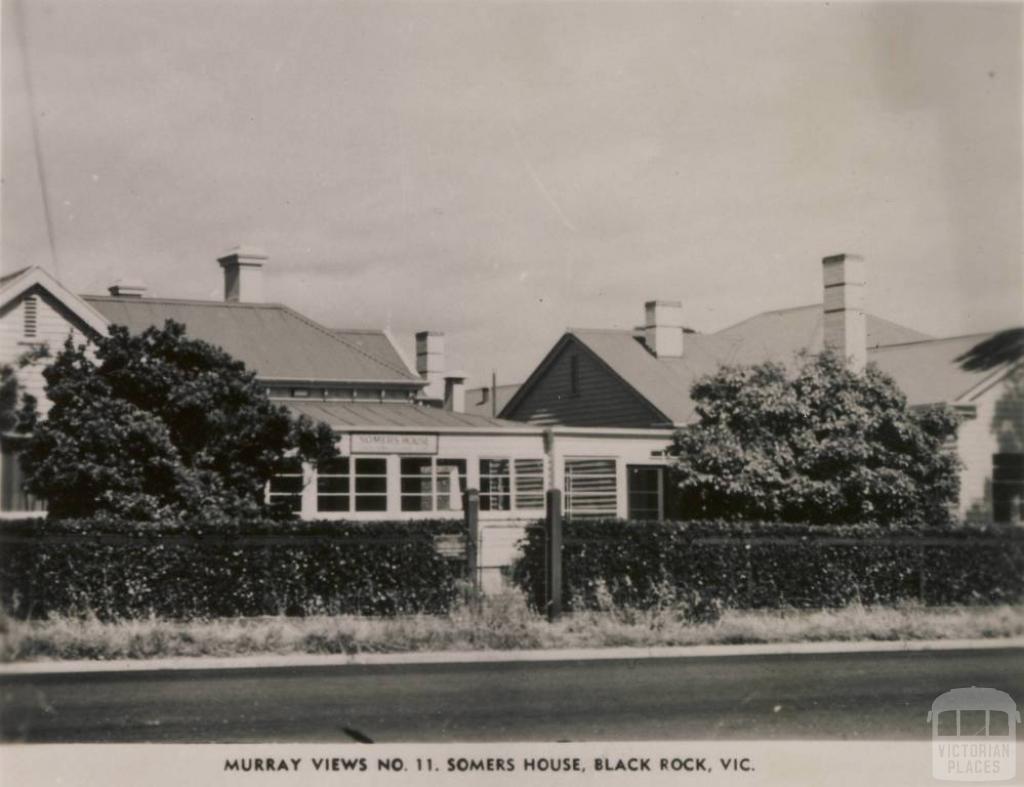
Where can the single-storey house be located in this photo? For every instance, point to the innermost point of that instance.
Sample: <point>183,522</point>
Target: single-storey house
<point>641,378</point>
<point>408,445</point>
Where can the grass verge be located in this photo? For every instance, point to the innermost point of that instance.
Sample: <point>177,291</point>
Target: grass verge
<point>500,622</point>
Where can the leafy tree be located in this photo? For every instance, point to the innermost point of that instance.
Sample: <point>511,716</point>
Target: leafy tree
<point>826,445</point>
<point>160,426</point>
<point>18,409</point>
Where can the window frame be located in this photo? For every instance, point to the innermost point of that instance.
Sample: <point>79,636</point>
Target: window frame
<point>570,494</point>
<point>275,498</point>
<point>434,481</point>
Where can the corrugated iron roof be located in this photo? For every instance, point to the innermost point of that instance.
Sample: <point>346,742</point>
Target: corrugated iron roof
<point>934,371</point>
<point>271,339</point>
<point>927,370</point>
<point>377,343</point>
<point>395,414</point>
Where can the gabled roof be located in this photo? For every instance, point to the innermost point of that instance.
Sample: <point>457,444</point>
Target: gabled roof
<point>927,370</point>
<point>16,283</point>
<point>271,339</point>
<point>387,415</point>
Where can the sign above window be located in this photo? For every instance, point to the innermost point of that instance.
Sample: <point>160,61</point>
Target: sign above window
<point>394,443</point>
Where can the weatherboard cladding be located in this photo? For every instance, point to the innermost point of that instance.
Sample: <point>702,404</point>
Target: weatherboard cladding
<point>271,339</point>
<point>54,323</point>
<point>602,398</point>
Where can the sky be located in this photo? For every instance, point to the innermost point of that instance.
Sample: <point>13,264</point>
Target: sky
<point>502,171</point>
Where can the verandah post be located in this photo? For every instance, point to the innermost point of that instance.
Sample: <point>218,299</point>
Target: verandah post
<point>553,554</point>
<point>471,508</point>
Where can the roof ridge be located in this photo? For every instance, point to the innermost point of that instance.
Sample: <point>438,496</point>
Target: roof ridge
<point>936,339</point>
<point>630,331</point>
<point>745,320</point>
<point>379,331</point>
<point>186,301</point>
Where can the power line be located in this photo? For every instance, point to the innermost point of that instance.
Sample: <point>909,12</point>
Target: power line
<point>20,30</point>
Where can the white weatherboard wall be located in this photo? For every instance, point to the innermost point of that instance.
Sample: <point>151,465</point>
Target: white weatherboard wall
<point>976,443</point>
<point>54,323</point>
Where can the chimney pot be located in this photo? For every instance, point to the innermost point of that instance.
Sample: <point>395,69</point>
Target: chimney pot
<point>455,392</point>
<point>430,364</point>
<point>243,274</point>
<point>663,328</point>
<point>845,323</point>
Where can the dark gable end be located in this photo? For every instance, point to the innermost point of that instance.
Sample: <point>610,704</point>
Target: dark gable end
<point>600,398</point>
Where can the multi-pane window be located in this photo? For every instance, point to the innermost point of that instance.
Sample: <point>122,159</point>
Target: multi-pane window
<point>333,485</point>
<point>495,485</point>
<point>590,488</point>
<point>286,487</point>
<point>451,483</point>
<point>644,483</point>
<point>506,483</point>
<point>430,484</point>
<point>371,484</point>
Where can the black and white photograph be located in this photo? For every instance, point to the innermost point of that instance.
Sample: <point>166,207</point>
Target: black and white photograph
<point>556,392</point>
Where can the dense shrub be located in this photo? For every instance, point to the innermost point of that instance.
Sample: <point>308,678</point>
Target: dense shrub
<point>705,564</point>
<point>117,570</point>
<point>822,443</point>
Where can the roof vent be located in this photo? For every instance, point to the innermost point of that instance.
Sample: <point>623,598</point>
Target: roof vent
<point>127,288</point>
<point>455,392</point>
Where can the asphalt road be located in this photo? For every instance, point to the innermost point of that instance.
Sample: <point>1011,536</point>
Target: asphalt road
<point>866,696</point>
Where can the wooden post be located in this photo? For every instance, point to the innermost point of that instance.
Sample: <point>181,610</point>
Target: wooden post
<point>471,508</point>
<point>553,554</point>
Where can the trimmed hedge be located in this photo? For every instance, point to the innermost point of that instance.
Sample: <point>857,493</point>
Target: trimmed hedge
<point>117,570</point>
<point>770,565</point>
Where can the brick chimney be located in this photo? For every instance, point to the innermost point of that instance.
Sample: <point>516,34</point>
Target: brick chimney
<point>243,274</point>
<point>663,328</point>
<point>430,364</point>
<point>845,322</point>
<point>127,288</point>
<point>455,392</point>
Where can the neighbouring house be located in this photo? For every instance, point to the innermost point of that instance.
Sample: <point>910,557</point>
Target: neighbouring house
<point>642,378</point>
<point>489,400</point>
<point>36,312</point>
<point>409,444</point>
